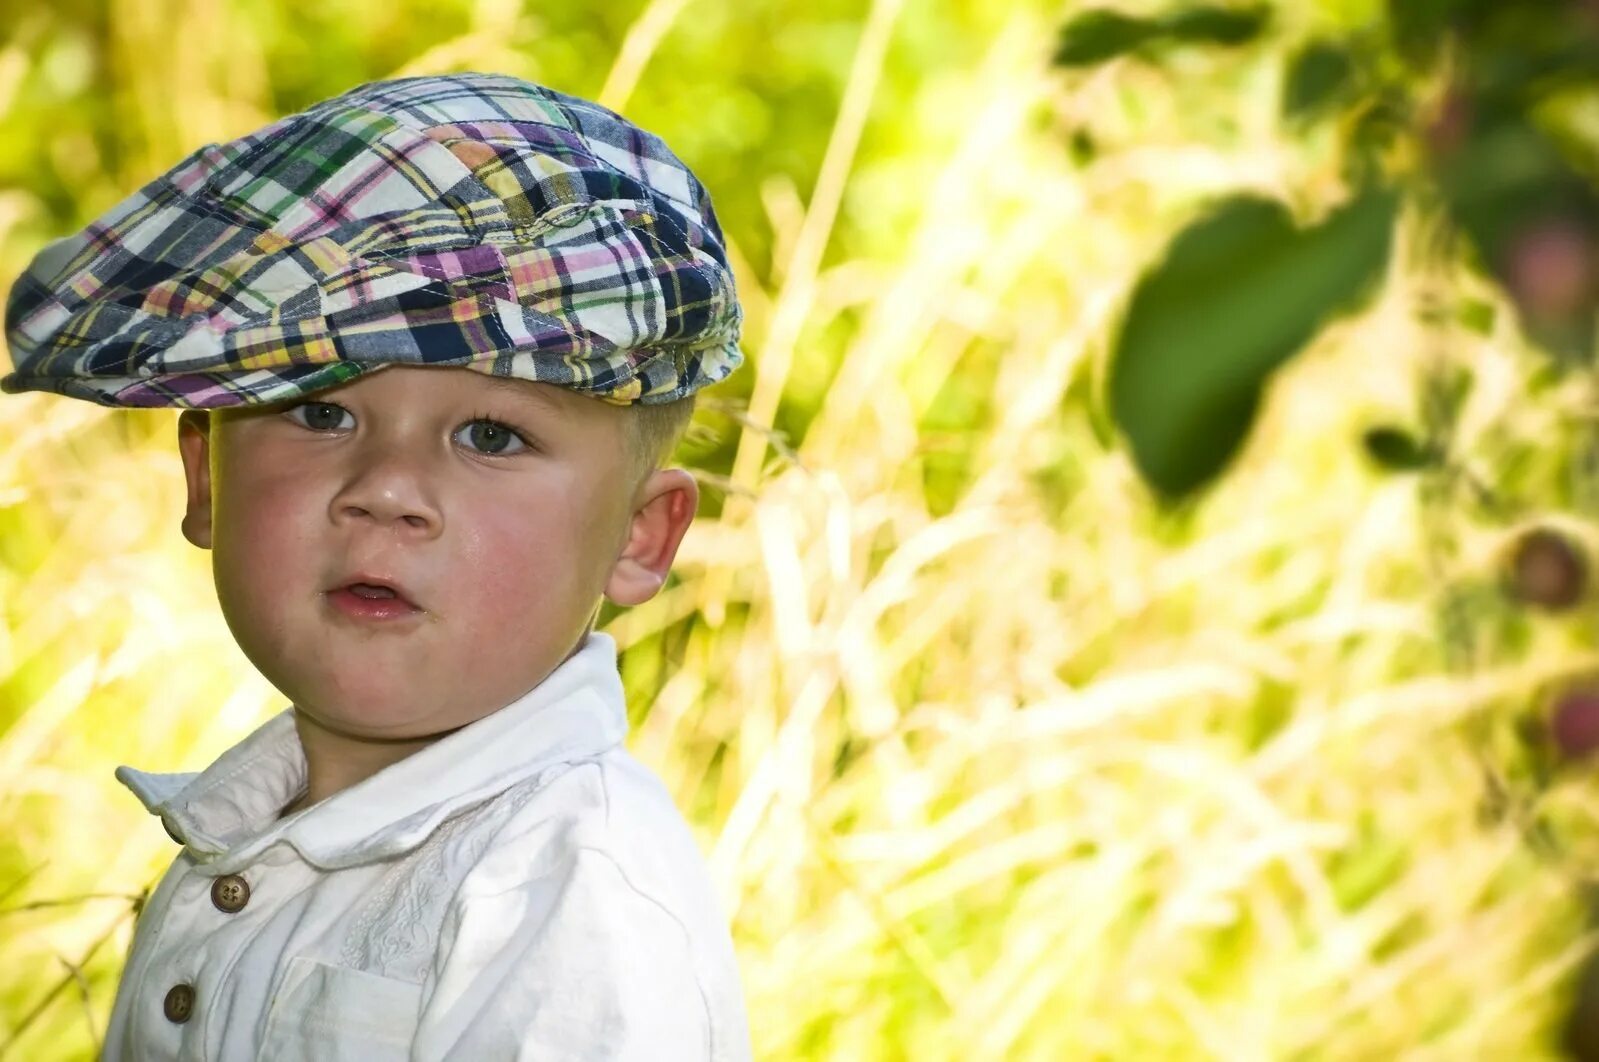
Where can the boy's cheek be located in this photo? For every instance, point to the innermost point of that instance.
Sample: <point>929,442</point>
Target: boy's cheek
<point>264,540</point>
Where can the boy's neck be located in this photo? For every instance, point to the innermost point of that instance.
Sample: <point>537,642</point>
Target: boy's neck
<point>336,761</point>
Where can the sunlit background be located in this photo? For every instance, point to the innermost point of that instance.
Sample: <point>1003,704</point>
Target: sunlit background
<point>994,752</point>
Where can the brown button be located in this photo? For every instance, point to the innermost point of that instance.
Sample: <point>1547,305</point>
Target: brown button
<point>179,1004</point>
<point>230,893</point>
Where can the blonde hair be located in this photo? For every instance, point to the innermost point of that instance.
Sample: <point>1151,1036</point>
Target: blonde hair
<point>653,432</point>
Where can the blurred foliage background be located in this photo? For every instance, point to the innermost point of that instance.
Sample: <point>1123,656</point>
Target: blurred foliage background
<point>999,744</point>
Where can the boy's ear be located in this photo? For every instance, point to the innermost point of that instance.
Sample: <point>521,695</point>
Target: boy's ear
<point>662,510</point>
<point>194,444</point>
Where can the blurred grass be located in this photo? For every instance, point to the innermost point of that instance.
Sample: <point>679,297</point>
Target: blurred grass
<point>991,757</point>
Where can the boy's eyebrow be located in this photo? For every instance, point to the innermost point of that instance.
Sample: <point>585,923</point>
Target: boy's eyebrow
<point>523,388</point>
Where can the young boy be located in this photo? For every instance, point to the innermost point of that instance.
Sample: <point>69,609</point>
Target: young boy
<point>433,339</point>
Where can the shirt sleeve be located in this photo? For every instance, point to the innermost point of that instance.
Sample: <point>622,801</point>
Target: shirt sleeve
<point>575,964</point>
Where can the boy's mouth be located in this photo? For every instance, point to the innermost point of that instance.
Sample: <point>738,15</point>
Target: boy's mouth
<point>373,588</point>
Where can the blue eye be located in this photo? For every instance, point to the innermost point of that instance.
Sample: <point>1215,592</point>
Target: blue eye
<point>317,415</point>
<point>492,437</point>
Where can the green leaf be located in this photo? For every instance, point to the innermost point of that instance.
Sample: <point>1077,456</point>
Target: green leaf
<point>1397,450</point>
<point>1083,147</point>
<point>1239,292</point>
<point>1520,51</point>
<point>1216,25</point>
<point>1098,35</point>
<point>1318,75</point>
<point>1095,36</point>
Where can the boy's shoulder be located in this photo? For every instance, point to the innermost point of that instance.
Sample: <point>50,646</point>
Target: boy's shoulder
<point>590,874</point>
<point>611,809</point>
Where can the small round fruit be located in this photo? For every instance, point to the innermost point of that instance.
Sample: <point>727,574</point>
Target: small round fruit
<point>1553,269</point>
<point>1574,723</point>
<point>1547,569</point>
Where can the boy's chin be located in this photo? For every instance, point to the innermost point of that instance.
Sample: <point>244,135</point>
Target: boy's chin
<point>353,705</point>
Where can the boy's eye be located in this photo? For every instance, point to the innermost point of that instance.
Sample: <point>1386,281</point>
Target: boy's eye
<point>318,416</point>
<point>482,434</point>
<point>492,437</point>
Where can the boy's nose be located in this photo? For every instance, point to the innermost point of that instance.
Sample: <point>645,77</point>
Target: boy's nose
<point>386,511</point>
<point>389,491</point>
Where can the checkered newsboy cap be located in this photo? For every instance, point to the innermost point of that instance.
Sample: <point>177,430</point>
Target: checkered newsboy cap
<point>472,220</point>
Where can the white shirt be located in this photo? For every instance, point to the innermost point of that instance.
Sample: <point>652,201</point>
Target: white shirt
<point>520,889</point>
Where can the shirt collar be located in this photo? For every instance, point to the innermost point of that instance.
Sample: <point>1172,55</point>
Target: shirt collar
<point>227,814</point>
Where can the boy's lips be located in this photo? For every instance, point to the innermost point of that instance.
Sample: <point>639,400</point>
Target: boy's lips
<point>370,585</point>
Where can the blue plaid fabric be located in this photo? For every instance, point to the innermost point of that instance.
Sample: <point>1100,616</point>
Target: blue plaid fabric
<point>472,220</point>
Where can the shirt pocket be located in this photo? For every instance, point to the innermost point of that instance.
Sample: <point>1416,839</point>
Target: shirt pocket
<point>327,1013</point>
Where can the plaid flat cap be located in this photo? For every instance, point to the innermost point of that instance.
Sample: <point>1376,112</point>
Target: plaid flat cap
<point>472,220</point>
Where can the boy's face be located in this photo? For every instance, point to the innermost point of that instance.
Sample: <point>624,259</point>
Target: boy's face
<point>502,543</point>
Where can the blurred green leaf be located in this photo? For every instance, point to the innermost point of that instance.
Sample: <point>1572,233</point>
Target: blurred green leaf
<point>1082,146</point>
<point>1318,76</point>
<point>1521,50</point>
<point>1239,292</point>
<point>1397,449</point>
<point>1098,35</point>
<point>1095,36</point>
<point>1216,25</point>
